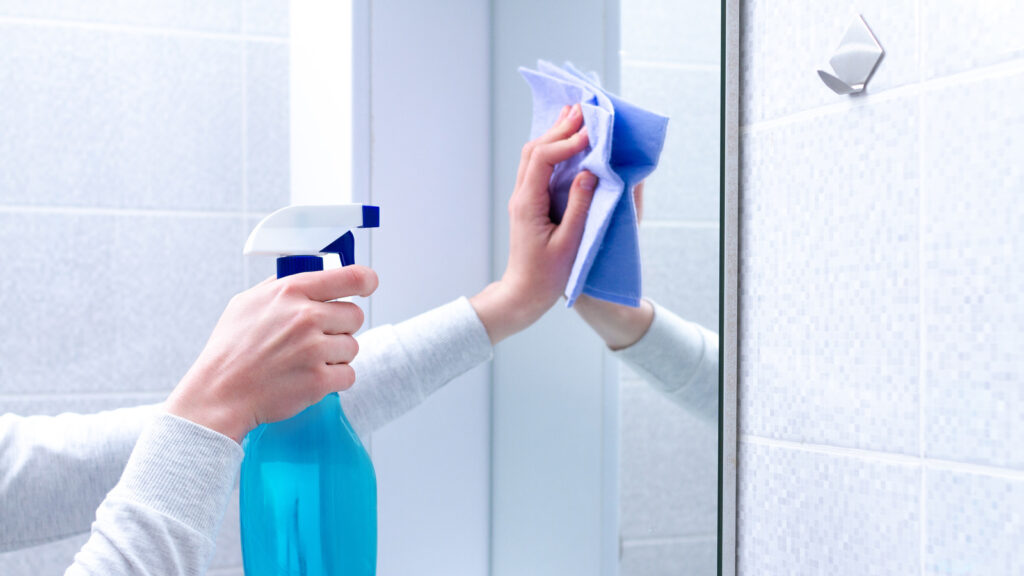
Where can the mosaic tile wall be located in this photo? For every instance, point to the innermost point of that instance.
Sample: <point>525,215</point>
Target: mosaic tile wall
<point>139,142</point>
<point>881,323</point>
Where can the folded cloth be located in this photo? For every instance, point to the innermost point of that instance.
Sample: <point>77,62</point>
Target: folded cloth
<point>625,144</point>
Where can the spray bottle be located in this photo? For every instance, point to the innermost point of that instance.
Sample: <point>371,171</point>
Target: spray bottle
<point>308,492</point>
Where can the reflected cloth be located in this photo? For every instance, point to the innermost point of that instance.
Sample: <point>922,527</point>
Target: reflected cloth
<point>625,144</point>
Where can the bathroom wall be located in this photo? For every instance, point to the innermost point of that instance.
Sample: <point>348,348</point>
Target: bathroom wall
<point>668,458</point>
<point>881,322</point>
<point>138,143</point>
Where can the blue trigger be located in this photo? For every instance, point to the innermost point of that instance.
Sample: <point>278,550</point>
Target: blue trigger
<point>344,247</point>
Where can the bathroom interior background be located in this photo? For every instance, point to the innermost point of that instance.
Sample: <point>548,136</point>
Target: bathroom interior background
<point>142,143</point>
<point>881,384</point>
<point>880,379</point>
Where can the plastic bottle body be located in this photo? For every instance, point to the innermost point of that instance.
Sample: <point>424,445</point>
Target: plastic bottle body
<point>308,497</point>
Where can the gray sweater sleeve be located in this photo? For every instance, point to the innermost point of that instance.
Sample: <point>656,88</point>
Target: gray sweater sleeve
<point>679,359</point>
<point>55,471</point>
<point>400,365</point>
<point>163,515</point>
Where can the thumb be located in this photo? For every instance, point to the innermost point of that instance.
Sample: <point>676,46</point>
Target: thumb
<point>570,231</point>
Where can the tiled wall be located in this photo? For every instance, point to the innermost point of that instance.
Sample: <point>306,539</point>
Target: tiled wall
<point>881,322</point>
<point>668,457</point>
<point>138,144</point>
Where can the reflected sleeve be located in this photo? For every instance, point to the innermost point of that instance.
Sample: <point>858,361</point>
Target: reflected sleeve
<point>679,359</point>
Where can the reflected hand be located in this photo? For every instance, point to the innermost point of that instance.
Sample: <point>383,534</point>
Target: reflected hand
<point>279,347</point>
<point>619,326</point>
<point>541,253</point>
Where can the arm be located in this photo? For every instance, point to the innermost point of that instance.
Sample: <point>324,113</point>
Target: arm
<point>54,471</point>
<point>676,357</point>
<point>163,515</point>
<point>401,365</point>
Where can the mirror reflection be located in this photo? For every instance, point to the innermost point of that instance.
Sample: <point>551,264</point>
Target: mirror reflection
<point>553,224</point>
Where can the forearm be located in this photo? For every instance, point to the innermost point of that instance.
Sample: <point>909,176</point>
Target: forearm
<point>679,359</point>
<point>163,515</point>
<point>55,470</point>
<point>400,365</point>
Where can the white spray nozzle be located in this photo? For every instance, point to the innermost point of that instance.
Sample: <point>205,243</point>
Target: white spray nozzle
<point>308,229</point>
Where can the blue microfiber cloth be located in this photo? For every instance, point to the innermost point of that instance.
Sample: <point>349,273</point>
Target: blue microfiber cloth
<point>625,143</point>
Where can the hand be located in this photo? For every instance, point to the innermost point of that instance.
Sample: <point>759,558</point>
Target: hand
<point>279,347</point>
<point>619,326</point>
<point>541,253</point>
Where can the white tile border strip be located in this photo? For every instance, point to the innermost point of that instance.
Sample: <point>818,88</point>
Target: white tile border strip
<point>139,29</point>
<point>887,457</point>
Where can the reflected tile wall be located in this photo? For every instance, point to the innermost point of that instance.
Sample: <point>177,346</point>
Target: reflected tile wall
<point>880,322</point>
<point>668,459</point>
<point>141,141</point>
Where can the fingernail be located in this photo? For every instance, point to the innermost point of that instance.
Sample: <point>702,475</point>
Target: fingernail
<point>574,111</point>
<point>588,181</point>
<point>565,110</point>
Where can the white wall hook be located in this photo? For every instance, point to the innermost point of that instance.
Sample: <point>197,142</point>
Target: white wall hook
<point>854,61</point>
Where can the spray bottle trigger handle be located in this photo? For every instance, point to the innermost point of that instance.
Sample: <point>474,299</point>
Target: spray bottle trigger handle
<point>344,247</point>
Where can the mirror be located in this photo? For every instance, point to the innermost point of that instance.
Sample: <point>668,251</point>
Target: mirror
<point>613,475</point>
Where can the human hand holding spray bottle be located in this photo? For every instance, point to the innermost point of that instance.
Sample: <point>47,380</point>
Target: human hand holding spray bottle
<point>308,492</point>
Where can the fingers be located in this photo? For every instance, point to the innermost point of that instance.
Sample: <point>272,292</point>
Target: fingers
<point>638,200</point>
<point>339,317</point>
<point>338,348</point>
<point>545,156</point>
<point>338,377</point>
<point>336,283</point>
<point>569,121</point>
<point>569,233</point>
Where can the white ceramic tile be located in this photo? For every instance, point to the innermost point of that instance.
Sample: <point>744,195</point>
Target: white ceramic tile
<point>668,467</point>
<point>805,513</point>
<point>670,558</point>
<point>267,127</point>
<point>107,303</point>
<point>783,44</point>
<point>973,247</point>
<point>680,270</point>
<point>46,560</point>
<point>266,17</point>
<point>959,35</point>
<point>652,29</point>
<point>93,118</point>
<point>203,15</point>
<point>830,218</point>
<point>685,185</point>
<point>975,524</point>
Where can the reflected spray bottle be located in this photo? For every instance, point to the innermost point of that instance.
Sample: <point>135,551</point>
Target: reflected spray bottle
<point>308,491</point>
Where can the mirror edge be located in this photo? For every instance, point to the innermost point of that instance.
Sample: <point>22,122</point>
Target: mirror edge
<point>728,289</point>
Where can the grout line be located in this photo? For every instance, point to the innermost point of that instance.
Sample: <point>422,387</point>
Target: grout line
<point>144,30</point>
<point>135,212</point>
<point>888,457</point>
<point>663,65</point>
<point>690,539</point>
<point>110,395</point>
<point>1001,70</point>
<point>921,342</point>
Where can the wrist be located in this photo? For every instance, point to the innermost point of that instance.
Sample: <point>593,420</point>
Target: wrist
<point>196,399</point>
<point>503,311</point>
<point>619,326</point>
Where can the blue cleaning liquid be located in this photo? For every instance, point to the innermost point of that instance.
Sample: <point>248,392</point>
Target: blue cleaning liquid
<point>308,497</point>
